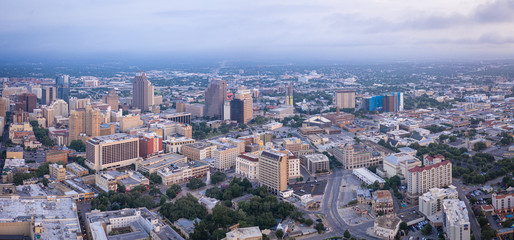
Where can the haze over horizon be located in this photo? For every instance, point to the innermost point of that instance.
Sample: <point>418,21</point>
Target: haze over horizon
<point>331,30</point>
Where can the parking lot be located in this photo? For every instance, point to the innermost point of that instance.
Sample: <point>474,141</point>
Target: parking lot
<point>313,188</point>
<point>355,215</point>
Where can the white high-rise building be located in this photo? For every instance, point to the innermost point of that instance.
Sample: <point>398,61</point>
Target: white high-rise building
<point>456,219</point>
<point>430,203</point>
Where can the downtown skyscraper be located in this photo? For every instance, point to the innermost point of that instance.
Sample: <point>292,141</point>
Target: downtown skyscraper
<point>142,92</point>
<point>215,96</point>
<point>62,84</point>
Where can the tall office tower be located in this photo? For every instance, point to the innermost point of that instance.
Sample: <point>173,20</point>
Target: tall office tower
<point>241,108</point>
<point>142,92</point>
<point>215,96</point>
<point>48,95</point>
<point>93,122</point>
<point>289,95</point>
<point>4,105</point>
<point>76,125</point>
<point>63,87</point>
<point>345,98</point>
<point>112,151</point>
<point>26,102</point>
<point>273,171</point>
<point>112,100</point>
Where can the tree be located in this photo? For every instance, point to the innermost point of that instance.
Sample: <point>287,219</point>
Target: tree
<point>78,146</point>
<point>173,191</point>
<point>320,227</point>
<point>347,234</point>
<point>45,182</point>
<point>404,226</point>
<point>218,177</point>
<point>479,146</point>
<point>154,191</point>
<point>195,183</point>
<point>279,233</point>
<point>309,222</point>
<point>507,223</point>
<point>154,177</point>
<point>163,200</point>
<point>427,229</point>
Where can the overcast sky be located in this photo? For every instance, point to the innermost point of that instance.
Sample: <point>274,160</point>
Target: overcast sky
<point>346,29</point>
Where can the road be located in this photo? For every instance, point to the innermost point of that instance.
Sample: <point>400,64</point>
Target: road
<point>329,209</point>
<point>472,219</point>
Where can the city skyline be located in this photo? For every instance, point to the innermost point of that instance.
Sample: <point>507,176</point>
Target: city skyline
<point>260,30</point>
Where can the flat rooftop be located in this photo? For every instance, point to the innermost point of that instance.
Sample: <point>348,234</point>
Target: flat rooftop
<point>57,215</point>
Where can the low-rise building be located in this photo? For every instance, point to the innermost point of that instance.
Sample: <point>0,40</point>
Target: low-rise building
<point>399,164</point>
<point>249,233</point>
<point>363,196</point>
<point>57,171</point>
<point>40,217</point>
<point>182,172</point>
<point>142,223</point>
<point>152,164</point>
<point>109,180</point>
<point>382,202</point>
<point>368,176</point>
<point>76,169</point>
<point>386,226</point>
<point>247,166</point>
<point>503,202</point>
<point>174,144</point>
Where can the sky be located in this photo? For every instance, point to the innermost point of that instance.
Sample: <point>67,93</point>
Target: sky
<point>289,29</point>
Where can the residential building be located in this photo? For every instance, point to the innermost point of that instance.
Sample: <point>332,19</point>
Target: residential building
<point>503,202</point>
<point>430,203</point>
<point>316,163</point>
<point>386,226</point>
<point>382,202</point>
<point>39,217</point>
<point>456,219</point>
<point>345,98</point>
<point>247,166</point>
<point>143,225</point>
<point>215,97</point>
<point>249,233</point>
<point>273,172</point>
<point>293,165</point>
<point>354,156</point>
<point>421,179</point>
<point>57,171</point>
<point>48,95</point>
<point>112,151</point>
